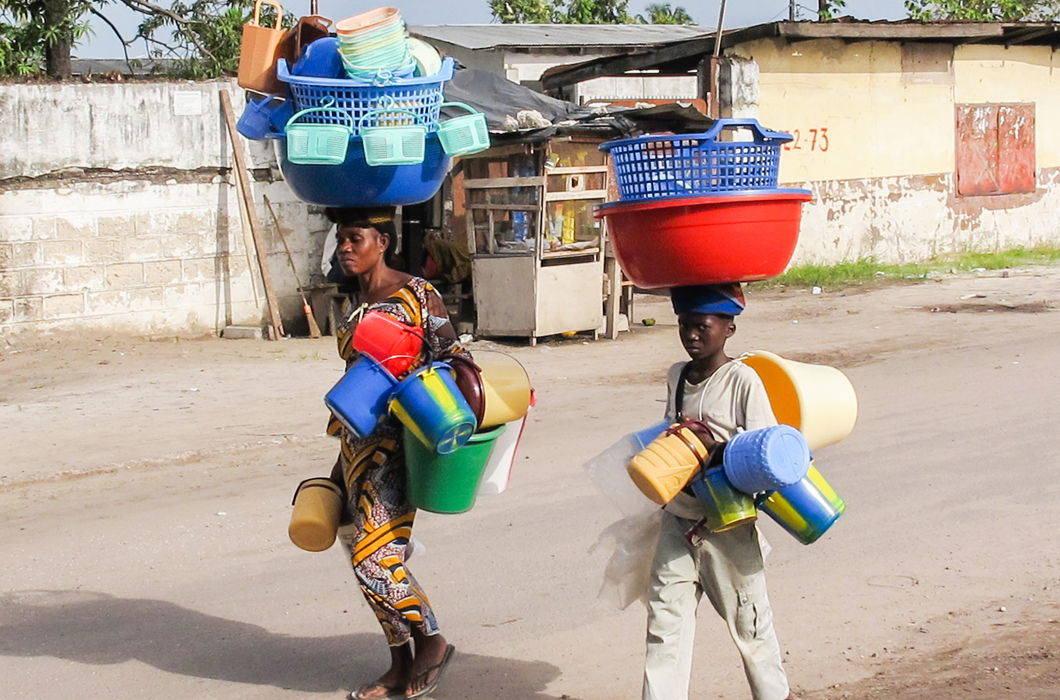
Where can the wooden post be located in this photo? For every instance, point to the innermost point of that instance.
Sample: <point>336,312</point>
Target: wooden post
<point>275,324</point>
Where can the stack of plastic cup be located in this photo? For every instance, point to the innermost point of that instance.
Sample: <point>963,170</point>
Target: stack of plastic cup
<point>374,46</point>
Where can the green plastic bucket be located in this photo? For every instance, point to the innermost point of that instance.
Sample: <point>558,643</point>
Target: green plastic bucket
<point>447,483</point>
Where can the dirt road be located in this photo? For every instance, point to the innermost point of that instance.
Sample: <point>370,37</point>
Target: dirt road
<point>145,490</point>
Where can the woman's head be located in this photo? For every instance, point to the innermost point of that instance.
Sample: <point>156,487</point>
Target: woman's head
<point>365,238</point>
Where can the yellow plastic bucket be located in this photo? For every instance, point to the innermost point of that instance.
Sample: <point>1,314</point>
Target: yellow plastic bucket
<point>817,400</point>
<point>315,519</point>
<point>663,468</point>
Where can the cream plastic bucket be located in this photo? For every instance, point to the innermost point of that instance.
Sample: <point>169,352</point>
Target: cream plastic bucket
<point>315,519</point>
<point>663,468</point>
<point>817,400</point>
<point>505,388</point>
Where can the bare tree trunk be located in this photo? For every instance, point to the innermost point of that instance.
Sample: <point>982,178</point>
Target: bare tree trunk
<point>57,53</point>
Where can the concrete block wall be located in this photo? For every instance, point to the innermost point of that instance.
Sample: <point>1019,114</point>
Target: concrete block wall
<point>107,234</point>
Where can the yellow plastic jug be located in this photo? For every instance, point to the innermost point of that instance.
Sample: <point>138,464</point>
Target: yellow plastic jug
<point>663,468</point>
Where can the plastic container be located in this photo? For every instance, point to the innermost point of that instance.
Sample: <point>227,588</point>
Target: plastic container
<point>447,483</point>
<point>507,394</point>
<point>663,468</point>
<point>817,400</point>
<point>806,509</point>
<point>264,118</point>
<point>390,342</point>
<point>766,459</point>
<point>258,51</point>
<point>656,166</point>
<point>315,518</point>
<point>646,436</point>
<point>354,183</point>
<point>429,404</point>
<point>320,59</point>
<point>359,400</point>
<point>392,145</point>
<point>423,96</point>
<point>498,470</point>
<point>428,60</point>
<point>705,240</point>
<point>378,17</point>
<point>315,143</point>
<point>464,134</point>
<point>724,506</point>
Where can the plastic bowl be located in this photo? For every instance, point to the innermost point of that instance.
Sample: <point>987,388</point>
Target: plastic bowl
<point>320,59</point>
<point>354,183</point>
<point>705,240</point>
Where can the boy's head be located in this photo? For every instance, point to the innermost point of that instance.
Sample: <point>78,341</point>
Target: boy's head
<point>705,316</point>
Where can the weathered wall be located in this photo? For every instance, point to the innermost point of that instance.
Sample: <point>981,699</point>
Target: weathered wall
<point>875,140</point>
<point>119,213</point>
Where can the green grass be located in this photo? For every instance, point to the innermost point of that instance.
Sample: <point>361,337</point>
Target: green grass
<point>864,271</point>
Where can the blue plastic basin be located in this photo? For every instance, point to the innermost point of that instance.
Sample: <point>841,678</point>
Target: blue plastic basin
<point>354,183</point>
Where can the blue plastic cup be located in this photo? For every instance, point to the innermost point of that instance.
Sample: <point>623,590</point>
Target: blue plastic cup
<point>359,400</point>
<point>766,459</point>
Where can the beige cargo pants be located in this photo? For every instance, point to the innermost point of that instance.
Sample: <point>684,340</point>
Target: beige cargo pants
<point>728,567</point>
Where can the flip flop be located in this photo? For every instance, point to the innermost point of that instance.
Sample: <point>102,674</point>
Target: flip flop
<point>392,692</point>
<point>439,667</point>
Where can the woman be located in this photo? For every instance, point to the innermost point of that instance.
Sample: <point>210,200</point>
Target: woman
<point>378,518</point>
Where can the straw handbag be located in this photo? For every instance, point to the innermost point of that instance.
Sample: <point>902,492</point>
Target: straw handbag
<point>259,51</point>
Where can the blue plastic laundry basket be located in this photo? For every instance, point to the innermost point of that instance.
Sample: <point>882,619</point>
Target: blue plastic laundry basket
<point>655,166</point>
<point>420,96</point>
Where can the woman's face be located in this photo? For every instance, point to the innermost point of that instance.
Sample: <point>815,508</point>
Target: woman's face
<point>360,249</point>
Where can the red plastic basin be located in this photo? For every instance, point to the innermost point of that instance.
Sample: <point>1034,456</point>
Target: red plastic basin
<point>705,240</point>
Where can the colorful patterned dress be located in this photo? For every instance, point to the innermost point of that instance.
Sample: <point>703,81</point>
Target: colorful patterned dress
<point>379,515</point>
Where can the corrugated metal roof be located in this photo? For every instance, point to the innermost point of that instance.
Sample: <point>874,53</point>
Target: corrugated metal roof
<point>684,55</point>
<point>486,36</point>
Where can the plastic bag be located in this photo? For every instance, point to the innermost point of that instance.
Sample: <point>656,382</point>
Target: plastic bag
<point>607,471</point>
<point>631,542</point>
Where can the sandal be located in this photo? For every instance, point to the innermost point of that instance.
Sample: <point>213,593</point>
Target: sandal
<point>370,691</point>
<point>437,670</point>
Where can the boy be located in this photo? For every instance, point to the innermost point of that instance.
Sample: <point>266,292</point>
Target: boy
<point>689,560</point>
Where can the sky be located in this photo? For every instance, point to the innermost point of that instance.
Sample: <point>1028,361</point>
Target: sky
<point>738,13</point>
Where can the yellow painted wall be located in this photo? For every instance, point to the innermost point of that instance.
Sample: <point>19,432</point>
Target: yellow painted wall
<point>858,115</point>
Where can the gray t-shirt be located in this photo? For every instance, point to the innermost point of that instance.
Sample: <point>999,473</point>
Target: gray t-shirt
<point>730,401</point>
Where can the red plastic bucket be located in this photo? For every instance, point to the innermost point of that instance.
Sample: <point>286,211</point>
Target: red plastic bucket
<point>387,340</point>
<point>705,240</point>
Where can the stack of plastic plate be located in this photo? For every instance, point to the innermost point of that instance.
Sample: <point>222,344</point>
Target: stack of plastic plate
<point>374,45</point>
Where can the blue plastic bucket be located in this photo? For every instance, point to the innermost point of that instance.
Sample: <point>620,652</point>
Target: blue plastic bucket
<point>429,403</point>
<point>724,506</point>
<point>359,400</point>
<point>645,437</point>
<point>264,118</point>
<point>805,509</point>
<point>766,459</point>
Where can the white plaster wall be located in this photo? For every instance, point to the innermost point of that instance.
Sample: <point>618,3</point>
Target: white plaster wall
<point>132,251</point>
<point>903,219</point>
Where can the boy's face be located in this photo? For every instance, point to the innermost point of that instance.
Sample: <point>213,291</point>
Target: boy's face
<point>704,335</point>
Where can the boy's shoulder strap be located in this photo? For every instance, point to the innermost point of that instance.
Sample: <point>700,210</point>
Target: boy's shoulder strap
<point>679,393</point>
